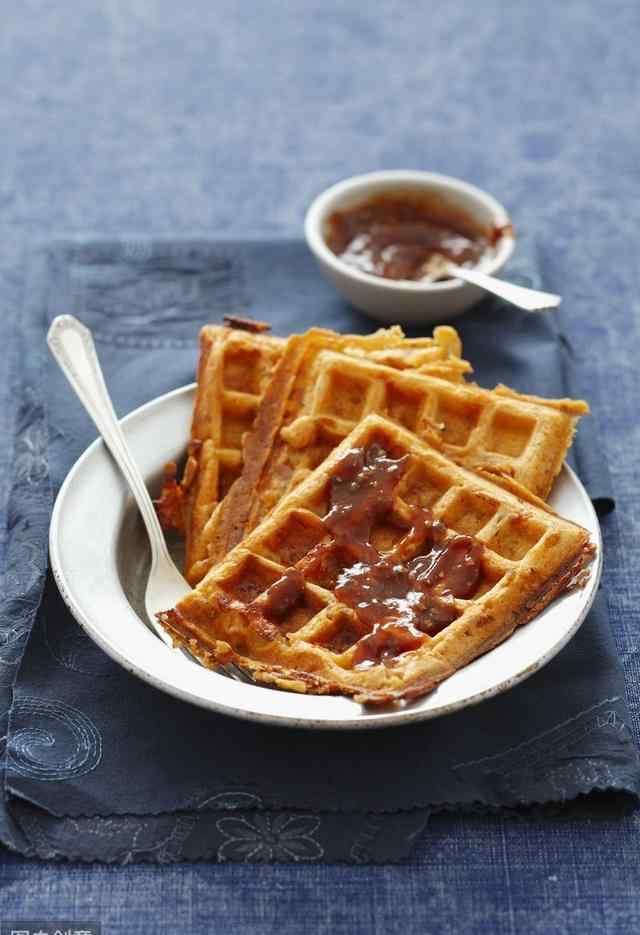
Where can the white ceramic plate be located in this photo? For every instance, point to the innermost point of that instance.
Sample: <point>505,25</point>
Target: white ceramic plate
<point>99,557</point>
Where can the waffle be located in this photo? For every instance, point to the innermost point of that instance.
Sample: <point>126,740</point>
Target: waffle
<point>327,393</point>
<point>235,367</point>
<point>389,568</point>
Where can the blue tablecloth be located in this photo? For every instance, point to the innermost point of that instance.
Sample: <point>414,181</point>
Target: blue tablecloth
<point>152,116</point>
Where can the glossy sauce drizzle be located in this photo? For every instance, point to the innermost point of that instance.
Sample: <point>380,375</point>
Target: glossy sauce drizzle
<point>283,595</point>
<point>399,597</point>
<point>399,600</point>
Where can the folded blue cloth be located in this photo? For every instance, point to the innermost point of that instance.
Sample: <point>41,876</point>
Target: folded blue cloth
<point>101,766</point>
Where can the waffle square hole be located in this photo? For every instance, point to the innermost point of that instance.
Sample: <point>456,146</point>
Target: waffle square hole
<point>510,433</point>
<point>405,407</point>
<point>326,567</point>
<point>388,443</point>
<point>386,534</point>
<point>250,580</point>
<point>293,618</point>
<point>341,633</point>
<point>242,370</point>
<point>297,535</point>
<point>515,536</point>
<point>234,426</point>
<point>469,512</point>
<point>423,486</point>
<point>344,397</point>
<point>321,448</point>
<point>459,418</point>
<point>489,577</point>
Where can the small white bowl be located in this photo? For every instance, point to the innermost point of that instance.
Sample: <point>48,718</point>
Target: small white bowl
<point>391,300</point>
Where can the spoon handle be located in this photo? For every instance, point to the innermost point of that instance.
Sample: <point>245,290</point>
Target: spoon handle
<point>531,300</point>
<point>71,343</point>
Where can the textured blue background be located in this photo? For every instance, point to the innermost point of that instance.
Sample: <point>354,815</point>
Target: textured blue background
<point>227,117</point>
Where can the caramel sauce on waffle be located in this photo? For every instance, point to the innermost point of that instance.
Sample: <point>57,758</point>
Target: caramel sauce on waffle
<point>362,491</point>
<point>283,595</point>
<point>398,599</point>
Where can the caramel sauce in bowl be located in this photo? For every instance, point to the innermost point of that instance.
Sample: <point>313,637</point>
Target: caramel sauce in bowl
<point>374,235</point>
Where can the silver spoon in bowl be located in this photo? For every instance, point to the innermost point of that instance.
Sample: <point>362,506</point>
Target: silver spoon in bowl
<point>71,343</point>
<point>531,300</point>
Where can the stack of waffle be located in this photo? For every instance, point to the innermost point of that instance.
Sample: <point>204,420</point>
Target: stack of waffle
<point>359,518</point>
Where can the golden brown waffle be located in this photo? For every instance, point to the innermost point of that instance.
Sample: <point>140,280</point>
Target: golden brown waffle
<point>383,573</point>
<point>234,370</point>
<point>327,393</point>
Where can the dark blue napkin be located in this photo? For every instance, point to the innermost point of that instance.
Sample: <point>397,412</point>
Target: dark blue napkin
<point>101,766</point>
